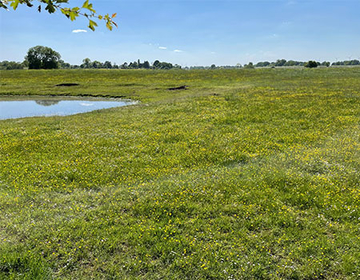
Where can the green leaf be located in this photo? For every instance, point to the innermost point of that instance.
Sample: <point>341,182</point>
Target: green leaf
<point>88,6</point>
<point>28,3</point>
<point>50,8</point>
<point>109,26</point>
<point>15,4</point>
<point>92,24</point>
<point>65,11</point>
<point>73,15</point>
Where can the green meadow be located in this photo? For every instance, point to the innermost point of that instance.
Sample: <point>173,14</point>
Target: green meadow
<point>247,174</point>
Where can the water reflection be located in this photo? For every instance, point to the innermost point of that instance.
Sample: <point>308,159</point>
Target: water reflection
<point>10,109</point>
<point>46,102</point>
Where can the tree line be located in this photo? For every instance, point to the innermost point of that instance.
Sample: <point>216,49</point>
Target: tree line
<point>283,62</point>
<point>87,63</point>
<point>346,62</point>
<point>40,57</point>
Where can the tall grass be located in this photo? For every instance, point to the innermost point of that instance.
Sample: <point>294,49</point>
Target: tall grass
<point>248,174</point>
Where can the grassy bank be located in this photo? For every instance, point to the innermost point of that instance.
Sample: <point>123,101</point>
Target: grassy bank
<point>247,174</point>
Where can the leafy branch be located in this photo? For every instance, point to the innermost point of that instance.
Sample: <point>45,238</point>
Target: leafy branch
<point>51,6</point>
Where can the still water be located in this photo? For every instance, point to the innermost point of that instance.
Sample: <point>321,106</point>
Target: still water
<point>11,109</point>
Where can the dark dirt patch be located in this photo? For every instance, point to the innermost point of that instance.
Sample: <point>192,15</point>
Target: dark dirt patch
<point>67,85</point>
<point>178,88</point>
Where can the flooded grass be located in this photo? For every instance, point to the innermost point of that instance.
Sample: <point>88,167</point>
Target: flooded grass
<point>14,107</point>
<point>247,174</point>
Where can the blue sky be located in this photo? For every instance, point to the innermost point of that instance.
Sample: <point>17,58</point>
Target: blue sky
<point>198,32</point>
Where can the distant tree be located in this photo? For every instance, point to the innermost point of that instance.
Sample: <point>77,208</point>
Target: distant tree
<point>311,64</point>
<point>124,65</point>
<point>280,62</point>
<point>213,66</point>
<point>107,64</point>
<point>347,62</point>
<point>86,63</point>
<point>250,65</point>
<point>165,65</point>
<point>96,64</point>
<point>133,65</point>
<point>146,64</point>
<point>139,64</point>
<point>262,64</point>
<point>11,65</point>
<point>25,64</point>
<point>156,64</point>
<point>64,64</point>
<point>40,57</point>
<point>291,63</point>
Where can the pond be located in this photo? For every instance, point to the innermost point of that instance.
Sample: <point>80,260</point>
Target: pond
<point>11,108</point>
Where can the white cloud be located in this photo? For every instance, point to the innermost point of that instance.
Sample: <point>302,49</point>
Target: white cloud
<point>79,31</point>
<point>162,48</point>
<point>178,51</point>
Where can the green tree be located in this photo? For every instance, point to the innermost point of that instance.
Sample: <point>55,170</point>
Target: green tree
<point>262,64</point>
<point>146,64</point>
<point>96,64</point>
<point>11,65</point>
<point>280,62</point>
<point>250,65</point>
<point>165,65</point>
<point>290,63</point>
<point>40,57</point>
<point>64,65</point>
<point>86,63</point>
<point>51,6</point>
<point>107,64</point>
<point>133,65</point>
<point>156,64</point>
<point>311,64</point>
<point>124,65</point>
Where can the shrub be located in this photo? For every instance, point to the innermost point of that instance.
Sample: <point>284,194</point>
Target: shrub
<point>311,64</point>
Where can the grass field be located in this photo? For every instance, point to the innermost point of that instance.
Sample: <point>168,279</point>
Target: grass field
<point>247,174</point>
